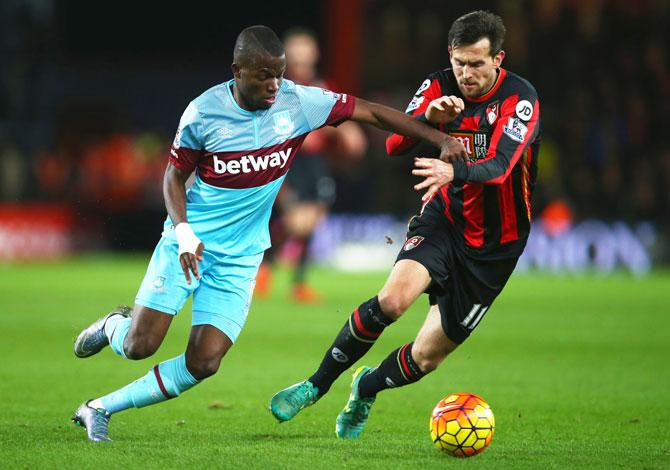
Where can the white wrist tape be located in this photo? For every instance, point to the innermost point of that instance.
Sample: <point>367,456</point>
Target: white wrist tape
<point>188,242</point>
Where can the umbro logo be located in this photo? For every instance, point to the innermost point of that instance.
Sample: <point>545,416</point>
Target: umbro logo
<point>225,132</point>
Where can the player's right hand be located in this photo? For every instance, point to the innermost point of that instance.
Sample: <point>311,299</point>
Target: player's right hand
<point>444,109</point>
<point>190,250</point>
<point>436,173</point>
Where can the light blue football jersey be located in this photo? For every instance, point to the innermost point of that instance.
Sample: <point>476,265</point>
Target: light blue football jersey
<point>241,158</point>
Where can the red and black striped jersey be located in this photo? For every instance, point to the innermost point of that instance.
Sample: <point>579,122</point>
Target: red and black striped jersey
<point>489,202</point>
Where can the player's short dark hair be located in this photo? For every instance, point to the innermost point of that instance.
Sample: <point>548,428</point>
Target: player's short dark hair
<point>254,41</point>
<point>476,25</point>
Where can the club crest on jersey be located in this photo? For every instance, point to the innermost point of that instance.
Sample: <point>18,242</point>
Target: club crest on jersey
<point>412,243</point>
<point>492,112</point>
<point>159,284</point>
<point>283,125</point>
<point>515,130</point>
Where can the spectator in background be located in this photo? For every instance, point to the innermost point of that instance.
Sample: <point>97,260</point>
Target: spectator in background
<point>12,170</point>
<point>308,190</point>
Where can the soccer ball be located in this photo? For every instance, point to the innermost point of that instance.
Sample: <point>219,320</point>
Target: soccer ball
<point>462,425</point>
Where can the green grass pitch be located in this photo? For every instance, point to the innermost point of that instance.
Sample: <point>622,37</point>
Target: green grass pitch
<point>575,369</point>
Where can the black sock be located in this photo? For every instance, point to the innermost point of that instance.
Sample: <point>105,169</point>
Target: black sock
<point>355,339</point>
<point>396,370</point>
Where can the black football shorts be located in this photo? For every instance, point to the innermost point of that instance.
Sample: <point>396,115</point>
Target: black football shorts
<point>462,287</point>
<point>309,180</point>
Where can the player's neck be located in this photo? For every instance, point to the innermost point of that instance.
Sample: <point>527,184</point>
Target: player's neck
<point>492,84</point>
<point>237,96</point>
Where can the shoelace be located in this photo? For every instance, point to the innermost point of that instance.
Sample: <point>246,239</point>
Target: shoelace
<point>100,424</point>
<point>97,336</point>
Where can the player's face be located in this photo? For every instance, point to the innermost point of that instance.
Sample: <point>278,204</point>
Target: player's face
<point>475,68</point>
<point>257,84</point>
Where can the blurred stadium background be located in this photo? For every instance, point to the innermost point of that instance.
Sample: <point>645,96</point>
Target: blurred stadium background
<point>90,99</point>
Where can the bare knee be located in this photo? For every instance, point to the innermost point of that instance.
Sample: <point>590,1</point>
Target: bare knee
<point>201,368</point>
<point>407,281</point>
<point>428,360</point>
<point>393,304</point>
<point>140,347</point>
<point>147,330</point>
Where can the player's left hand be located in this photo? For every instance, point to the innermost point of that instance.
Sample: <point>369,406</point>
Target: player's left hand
<point>436,172</point>
<point>444,109</point>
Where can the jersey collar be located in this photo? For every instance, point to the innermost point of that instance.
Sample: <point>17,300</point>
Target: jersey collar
<point>229,90</point>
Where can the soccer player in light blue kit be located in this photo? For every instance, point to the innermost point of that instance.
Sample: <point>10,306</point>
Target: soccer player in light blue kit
<point>240,138</point>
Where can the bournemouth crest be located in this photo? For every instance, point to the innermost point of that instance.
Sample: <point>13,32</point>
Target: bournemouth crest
<point>412,243</point>
<point>492,111</point>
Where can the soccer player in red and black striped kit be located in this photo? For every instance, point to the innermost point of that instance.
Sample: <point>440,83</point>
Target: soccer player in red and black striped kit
<point>464,244</point>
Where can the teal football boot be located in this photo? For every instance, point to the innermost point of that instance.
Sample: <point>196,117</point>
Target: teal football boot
<point>352,419</point>
<point>287,403</point>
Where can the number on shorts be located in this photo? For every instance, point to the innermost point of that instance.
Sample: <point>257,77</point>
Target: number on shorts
<point>474,317</point>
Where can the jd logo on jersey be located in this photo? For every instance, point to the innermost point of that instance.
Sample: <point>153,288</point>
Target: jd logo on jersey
<point>524,110</point>
<point>283,125</point>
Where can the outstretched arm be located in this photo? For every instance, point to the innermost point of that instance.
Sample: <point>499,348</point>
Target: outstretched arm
<point>389,119</point>
<point>190,246</point>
